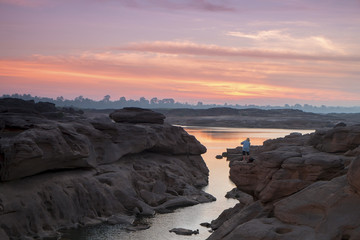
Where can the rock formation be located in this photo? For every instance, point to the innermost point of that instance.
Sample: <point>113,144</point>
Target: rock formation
<point>137,115</point>
<point>304,187</point>
<point>61,169</point>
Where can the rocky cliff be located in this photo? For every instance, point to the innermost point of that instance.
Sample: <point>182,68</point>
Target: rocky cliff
<point>302,187</point>
<point>62,169</point>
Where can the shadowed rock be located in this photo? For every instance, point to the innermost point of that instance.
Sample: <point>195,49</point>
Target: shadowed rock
<point>183,231</point>
<point>137,115</point>
<point>80,171</point>
<point>307,192</point>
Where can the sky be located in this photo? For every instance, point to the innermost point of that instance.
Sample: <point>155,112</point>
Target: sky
<point>264,52</point>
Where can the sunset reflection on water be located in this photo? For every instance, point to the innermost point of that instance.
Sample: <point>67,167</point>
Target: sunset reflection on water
<point>231,137</point>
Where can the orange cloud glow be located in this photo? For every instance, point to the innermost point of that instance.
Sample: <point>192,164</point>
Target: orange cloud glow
<point>182,77</point>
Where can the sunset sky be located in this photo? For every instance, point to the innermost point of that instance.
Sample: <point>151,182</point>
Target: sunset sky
<point>265,52</point>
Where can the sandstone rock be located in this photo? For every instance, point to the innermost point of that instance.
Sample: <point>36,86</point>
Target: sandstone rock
<point>337,140</point>
<point>81,171</point>
<point>309,193</point>
<point>152,199</point>
<point>55,145</point>
<point>3,235</point>
<point>176,203</point>
<point>353,175</point>
<point>205,224</point>
<point>138,227</point>
<point>285,170</point>
<point>183,231</point>
<point>243,198</point>
<point>61,199</point>
<point>120,219</point>
<point>137,115</point>
<point>41,149</point>
<point>330,208</point>
<point>241,216</point>
<point>226,215</point>
<point>340,124</point>
<point>269,229</point>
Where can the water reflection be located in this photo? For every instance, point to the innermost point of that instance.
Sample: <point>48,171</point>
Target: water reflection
<point>216,141</point>
<point>231,137</point>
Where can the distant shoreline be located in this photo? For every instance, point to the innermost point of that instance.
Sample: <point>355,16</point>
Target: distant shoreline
<point>250,118</point>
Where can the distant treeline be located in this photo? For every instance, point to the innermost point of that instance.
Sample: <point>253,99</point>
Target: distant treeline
<point>106,103</point>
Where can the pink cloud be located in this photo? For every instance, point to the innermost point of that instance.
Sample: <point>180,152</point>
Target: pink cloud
<point>24,3</point>
<point>190,48</point>
<point>203,5</point>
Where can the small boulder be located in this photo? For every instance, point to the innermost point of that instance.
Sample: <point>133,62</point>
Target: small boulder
<point>183,231</point>
<point>340,124</point>
<point>206,224</point>
<point>137,115</point>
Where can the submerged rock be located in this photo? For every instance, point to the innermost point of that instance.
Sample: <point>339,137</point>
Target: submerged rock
<point>183,231</point>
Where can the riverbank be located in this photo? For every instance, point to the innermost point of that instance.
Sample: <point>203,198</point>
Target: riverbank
<point>297,187</point>
<point>251,118</point>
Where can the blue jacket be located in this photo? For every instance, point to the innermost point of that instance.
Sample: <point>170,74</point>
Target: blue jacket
<point>246,145</point>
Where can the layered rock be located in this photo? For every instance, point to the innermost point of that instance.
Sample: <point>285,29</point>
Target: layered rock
<point>137,115</point>
<point>302,189</point>
<point>67,170</point>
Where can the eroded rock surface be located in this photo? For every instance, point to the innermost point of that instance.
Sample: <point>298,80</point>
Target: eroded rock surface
<point>304,187</point>
<point>72,170</point>
<point>137,115</point>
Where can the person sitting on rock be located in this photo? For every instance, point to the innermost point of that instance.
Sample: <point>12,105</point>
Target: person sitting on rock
<point>246,149</point>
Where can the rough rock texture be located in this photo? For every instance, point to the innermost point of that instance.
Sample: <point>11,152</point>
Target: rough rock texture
<point>137,115</point>
<point>339,139</point>
<point>76,171</point>
<point>303,189</point>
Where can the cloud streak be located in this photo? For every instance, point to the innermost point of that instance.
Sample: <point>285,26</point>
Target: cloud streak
<point>202,5</point>
<point>24,3</point>
<point>285,40</point>
<point>190,48</point>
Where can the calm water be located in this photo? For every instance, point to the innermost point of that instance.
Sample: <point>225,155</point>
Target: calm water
<point>216,141</point>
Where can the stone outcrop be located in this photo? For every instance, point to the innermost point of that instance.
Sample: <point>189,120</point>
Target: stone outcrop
<point>137,115</point>
<point>304,187</point>
<point>65,170</point>
<point>340,139</point>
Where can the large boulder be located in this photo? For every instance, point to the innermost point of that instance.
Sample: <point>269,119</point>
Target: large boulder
<point>337,140</point>
<point>283,171</point>
<point>51,145</point>
<point>331,208</point>
<point>137,115</point>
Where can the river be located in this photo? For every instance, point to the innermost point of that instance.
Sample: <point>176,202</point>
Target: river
<point>216,141</point>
